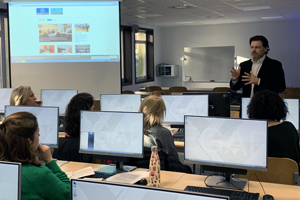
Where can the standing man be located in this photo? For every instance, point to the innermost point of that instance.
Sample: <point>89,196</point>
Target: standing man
<point>261,72</point>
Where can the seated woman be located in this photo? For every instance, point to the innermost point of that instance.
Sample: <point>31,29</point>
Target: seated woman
<point>23,96</point>
<point>68,146</point>
<point>154,109</point>
<point>19,142</point>
<point>283,139</point>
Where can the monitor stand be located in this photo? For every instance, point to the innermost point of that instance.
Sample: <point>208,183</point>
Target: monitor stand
<point>116,168</point>
<point>227,181</point>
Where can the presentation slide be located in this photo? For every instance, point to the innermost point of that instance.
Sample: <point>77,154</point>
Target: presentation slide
<point>9,181</point>
<point>47,118</point>
<point>233,142</point>
<point>57,98</point>
<point>293,108</point>
<point>78,31</point>
<point>179,105</point>
<point>112,133</point>
<point>82,189</point>
<point>120,102</point>
<point>4,97</point>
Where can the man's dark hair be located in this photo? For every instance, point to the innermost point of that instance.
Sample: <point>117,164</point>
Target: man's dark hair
<point>266,104</point>
<point>261,38</point>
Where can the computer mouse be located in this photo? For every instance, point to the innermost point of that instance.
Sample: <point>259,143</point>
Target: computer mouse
<point>143,181</point>
<point>268,197</point>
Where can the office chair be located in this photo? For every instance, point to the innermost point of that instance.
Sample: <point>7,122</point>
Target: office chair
<point>178,89</point>
<point>159,93</point>
<point>97,105</point>
<point>280,170</point>
<point>153,88</point>
<point>127,92</point>
<point>221,89</point>
<point>289,96</point>
<point>292,90</point>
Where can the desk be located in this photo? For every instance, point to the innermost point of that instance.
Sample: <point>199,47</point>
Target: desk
<point>188,89</point>
<point>278,191</point>
<point>179,181</point>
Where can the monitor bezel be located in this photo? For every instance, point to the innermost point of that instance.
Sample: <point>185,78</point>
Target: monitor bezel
<point>217,197</point>
<point>60,113</point>
<point>226,165</point>
<point>41,107</point>
<point>117,156</point>
<point>119,95</point>
<point>209,94</point>
<point>177,123</point>
<point>19,175</point>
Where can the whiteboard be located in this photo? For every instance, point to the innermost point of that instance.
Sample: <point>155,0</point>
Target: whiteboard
<point>208,64</point>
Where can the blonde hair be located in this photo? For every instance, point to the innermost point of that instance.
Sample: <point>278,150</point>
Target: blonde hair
<point>20,95</point>
<point>154,110</point>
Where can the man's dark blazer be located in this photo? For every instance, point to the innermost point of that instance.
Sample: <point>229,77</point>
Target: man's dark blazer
<point>271,77</point>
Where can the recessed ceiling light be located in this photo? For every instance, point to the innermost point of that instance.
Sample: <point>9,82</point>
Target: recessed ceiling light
<point>255,8</point>
<point>273,17</point>
<point>148,15</point>
<point>184,22</point>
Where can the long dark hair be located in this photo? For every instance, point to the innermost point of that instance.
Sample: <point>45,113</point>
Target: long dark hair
<point>81,101</point>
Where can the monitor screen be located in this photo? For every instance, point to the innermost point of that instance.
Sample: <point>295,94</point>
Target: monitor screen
<point>179,105</point>
<point>226,142</point>
<point>47,118</point>
<point>120,102</point>
<point>112,133</point>
<point>4,97</point>
<point>10,180</point>
<point>219,102</point>
<point>89,190</point>
<point>57,98</point>
<point>292,105</point>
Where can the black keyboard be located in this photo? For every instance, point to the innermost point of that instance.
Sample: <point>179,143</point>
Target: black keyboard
<point>232,194</point>
<point>100,175</point>
<point>178,136</point>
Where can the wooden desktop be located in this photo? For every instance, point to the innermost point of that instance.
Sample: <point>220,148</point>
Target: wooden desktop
<point>177,180</point>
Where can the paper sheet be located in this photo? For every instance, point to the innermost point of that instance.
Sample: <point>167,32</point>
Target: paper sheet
<point>80,173</point>
<point>129,177</point>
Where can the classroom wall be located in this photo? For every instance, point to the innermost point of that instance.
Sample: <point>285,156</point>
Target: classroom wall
<point>157,60</point>
<point>283,39</point>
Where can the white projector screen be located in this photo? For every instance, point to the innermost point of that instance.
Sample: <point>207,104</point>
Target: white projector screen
<point>66,45</point>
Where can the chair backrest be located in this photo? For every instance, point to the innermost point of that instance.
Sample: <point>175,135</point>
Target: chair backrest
<point>289,96</point>
<point>159,93</point>
<point>153,88</point>
<point>97,105</point>
<point>178,89</point>
<point>280,170</point>
<point>127,92</point>
<point>221,89</point>
<point>292,90</point>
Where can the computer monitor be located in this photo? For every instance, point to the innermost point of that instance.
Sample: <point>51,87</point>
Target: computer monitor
<point>57,98</point>
<point>92,190</point>
<point>219,102</point>
<point>47,118</point>
<point>292,105</point>
<point>230,145</point>
<point>120,102</point>
<point>179,105</point>
<point>4,97</point>
<point>10,180</point>
<point>113,135</point>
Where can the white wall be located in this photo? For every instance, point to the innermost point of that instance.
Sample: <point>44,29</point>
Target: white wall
<point>157,59</point>
<point>283,39</point>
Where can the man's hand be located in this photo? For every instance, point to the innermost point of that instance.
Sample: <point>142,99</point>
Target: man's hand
<point>235,74</point>
<point>250,78</point>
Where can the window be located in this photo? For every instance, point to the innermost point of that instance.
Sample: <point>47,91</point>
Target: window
<point>144,56</point>
<point>137,58</point>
